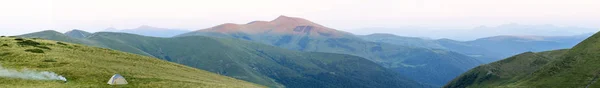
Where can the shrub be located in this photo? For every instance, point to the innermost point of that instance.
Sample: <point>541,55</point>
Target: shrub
<point>49,60</point>
<point>4,54</point>
<point>43,66</point>
<point>4,44</point>
<point>19,39</point>
<point>35,50</point>
<point>63,63</point>
<point>3,36</point>
<point>28,42</point>
<point>60,43</point>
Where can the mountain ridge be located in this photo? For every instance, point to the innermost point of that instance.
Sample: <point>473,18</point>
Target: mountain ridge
<point>280,25</point>
<point>487,49</point>
<point>147,30</point>
<point>254,62</point>
<point>414,62</point>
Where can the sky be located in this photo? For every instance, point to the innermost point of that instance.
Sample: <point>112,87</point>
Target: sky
<point>25,16</point>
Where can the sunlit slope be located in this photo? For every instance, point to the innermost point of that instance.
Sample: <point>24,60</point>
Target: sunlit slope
<point>505,71</point>
<point>85,66</point>
<point>575,68</point>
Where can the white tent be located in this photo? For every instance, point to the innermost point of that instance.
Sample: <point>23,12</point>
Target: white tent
<point>117,80</point>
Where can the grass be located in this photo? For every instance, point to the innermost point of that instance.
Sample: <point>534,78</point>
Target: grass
<point>577,68</point>
<point>505,71</point>
<point>85,66</point>
<point>574,68</point>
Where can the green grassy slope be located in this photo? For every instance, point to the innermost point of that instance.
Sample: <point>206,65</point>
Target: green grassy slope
<point>505,71</point>
<point>85,66</point>
<point>575,68</point>
<point>259,63</point>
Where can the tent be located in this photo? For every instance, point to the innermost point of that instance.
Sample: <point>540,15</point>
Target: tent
<point>117,80</point>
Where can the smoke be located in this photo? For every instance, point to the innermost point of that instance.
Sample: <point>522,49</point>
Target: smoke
<point>30,74</point>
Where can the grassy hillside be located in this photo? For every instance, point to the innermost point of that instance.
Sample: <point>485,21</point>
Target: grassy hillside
<point>505,71</point>
<point>85,66</point>
<point>574,68</point>
<point>259,63</point>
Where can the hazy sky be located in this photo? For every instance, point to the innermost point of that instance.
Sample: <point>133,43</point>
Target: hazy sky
<point>24,16</point>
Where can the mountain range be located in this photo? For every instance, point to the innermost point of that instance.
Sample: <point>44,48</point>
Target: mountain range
<point>469,34</point>
<point>432,66</point>
<point>254,62</point>
<point>295,52</point>
<point>575,67</point>
<point>488,49</point>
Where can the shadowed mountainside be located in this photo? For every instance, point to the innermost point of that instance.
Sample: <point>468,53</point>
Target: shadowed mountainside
<point>433,66</point>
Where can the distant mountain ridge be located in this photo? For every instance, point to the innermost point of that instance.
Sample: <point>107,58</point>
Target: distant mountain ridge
<point>469,34</point>
<point>150,31</point>
<point>293,33</point>
<point>77,33</point>
<point>486,49</point>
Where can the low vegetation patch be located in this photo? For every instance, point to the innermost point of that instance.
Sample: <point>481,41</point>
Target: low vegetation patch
<point>49,60</point>
<point>60,43</point>
<point>19,39</point>
<point>28,43</point>
<point>35,50</point>
<point>32,43</point>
